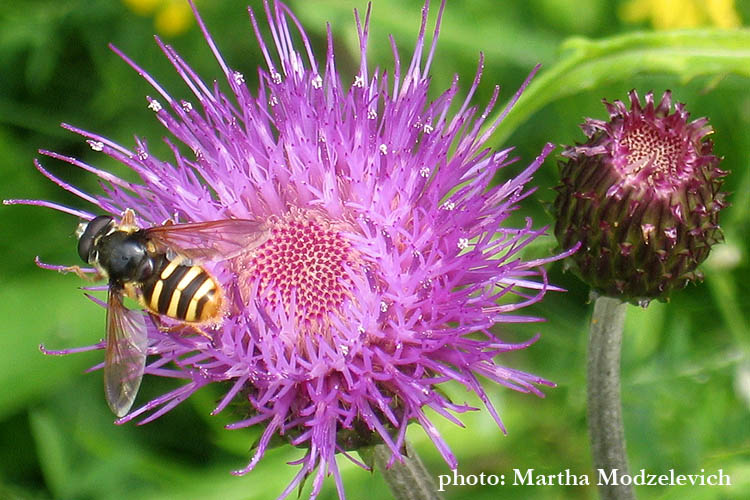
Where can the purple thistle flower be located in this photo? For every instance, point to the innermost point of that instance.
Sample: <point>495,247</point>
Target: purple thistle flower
<point>383,261</point>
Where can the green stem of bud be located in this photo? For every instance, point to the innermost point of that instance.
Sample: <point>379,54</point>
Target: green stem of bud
<point>409,480</point>
<point>606,429</point>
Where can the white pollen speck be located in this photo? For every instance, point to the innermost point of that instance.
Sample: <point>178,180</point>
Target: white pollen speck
<point>96,145</point>
<point>154,105</point>
<point>361,330</point>
<point>449,205</point>
<point>186,106</point>
<point>276,77</point>
<point>142,155</point>
<point>383,149</point>
<point>383,306</point>
<point>424,172</point>
<point>372,114</point>
<point>463,243</point>
<point>273,101</point>
<point>238,77</point>
<point>359,81</point>
<point>317,82</point>
<point>344,349</point>
<point>427,128</point>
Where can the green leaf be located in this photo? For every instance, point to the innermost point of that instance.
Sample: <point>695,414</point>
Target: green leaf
<point>367,454</point>
<point>588,64</point>
<point>49,311</point>
<point>53,448</point>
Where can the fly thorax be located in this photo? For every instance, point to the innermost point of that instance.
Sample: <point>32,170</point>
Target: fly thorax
<point>124,257</point>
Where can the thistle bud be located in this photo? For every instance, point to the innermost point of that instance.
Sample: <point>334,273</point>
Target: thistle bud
<point>642,195</point>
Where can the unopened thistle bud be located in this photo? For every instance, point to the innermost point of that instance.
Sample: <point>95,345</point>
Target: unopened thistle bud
<point>642,195</point>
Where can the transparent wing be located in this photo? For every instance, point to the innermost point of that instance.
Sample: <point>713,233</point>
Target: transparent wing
<point>213,240</point>
<point>125,358</point>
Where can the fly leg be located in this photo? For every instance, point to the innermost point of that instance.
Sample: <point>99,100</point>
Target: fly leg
<point>181,328</point>
<point>81,273</point>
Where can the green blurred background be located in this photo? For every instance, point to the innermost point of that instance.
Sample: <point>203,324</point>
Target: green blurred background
<point>686,371</point>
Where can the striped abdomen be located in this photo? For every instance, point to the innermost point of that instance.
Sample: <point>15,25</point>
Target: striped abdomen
<point>183,292</point>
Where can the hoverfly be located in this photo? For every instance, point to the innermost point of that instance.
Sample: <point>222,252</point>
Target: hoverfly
<point>160,268</point>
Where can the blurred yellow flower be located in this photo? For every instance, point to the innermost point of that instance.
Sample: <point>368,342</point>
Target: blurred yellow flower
<point>671,14</point>
<point>171,17</point>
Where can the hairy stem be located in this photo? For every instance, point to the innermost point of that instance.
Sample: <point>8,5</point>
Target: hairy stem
<point>409,480</point>
<point>606,429</point>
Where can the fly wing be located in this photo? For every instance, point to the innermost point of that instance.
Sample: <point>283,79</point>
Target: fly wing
<point>125,358</point>
<point>213,240</point>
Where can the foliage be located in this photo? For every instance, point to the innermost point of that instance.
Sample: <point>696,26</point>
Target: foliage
<point>685,364</point>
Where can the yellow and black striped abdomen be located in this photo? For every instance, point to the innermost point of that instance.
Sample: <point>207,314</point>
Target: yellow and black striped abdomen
<point>184,292</point>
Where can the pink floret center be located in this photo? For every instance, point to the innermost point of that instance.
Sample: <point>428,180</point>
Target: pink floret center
<point>302,268</point>
<point>654,156</point>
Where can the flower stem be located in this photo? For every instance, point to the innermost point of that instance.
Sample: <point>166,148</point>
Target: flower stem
<point>408,480</point>
<point>606,429</point>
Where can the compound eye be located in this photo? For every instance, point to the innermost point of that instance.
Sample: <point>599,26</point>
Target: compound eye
<point>89,234</point>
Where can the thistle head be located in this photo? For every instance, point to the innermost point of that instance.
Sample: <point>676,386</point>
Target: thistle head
<point>384,256</point>
<point>643,196</point>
